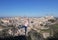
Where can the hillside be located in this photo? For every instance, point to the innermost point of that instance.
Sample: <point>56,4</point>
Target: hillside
<point>12,26</point>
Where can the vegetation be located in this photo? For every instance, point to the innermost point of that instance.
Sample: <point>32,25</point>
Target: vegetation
<point>35,35</point>
<point>55,32</point>
<point>51,20</point>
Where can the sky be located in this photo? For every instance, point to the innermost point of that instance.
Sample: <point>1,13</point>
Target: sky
<point>30,8</point>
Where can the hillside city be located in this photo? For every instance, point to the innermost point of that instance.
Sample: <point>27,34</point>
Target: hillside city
<point>40,25</point>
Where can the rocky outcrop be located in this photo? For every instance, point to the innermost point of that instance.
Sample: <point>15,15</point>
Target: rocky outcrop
<point>35,35</point>
<point>11,26</point>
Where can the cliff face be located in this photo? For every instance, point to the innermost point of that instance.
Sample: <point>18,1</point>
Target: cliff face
<point>9,26</point>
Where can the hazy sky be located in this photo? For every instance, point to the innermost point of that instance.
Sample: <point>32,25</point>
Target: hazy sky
<point>34,8</point>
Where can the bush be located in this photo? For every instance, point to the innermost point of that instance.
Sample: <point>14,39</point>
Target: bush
<point>35,35</point>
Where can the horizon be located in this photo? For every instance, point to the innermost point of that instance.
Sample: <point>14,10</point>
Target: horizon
<point>29,8</point>
<point>27,16</point>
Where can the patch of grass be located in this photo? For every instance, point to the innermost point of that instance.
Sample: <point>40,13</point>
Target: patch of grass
<point>45,30</point>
